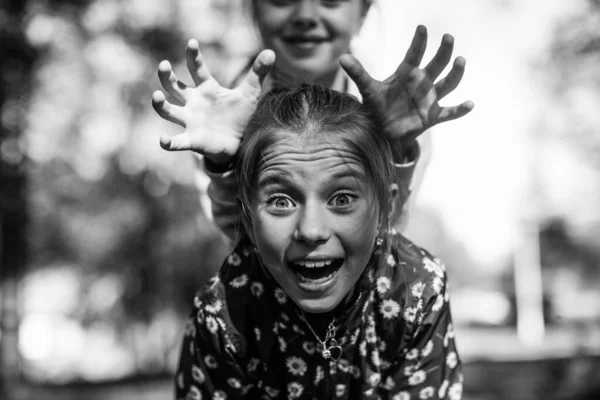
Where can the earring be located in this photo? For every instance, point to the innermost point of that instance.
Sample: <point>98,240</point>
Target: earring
<point>378,242</point>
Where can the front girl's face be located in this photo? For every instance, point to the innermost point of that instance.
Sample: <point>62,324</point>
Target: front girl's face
<point>308,36</point>
<point>314,220</point>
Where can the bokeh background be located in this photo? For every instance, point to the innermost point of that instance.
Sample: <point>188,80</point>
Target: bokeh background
<point>102,241</point>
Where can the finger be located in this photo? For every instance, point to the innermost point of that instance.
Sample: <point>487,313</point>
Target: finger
<point>357,73</point>
<point>441,58</point>
<point>252,82</point>
<point>176,143</point>
<point>170,83</point>
<point>455,112</point>
<point>198,69</point>
<point>451,81</point>
<point>167,110</point>
<point>415,52</point>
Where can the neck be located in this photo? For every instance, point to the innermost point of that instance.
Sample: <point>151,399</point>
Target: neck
<point>320,321</point>
<point>335,80</point>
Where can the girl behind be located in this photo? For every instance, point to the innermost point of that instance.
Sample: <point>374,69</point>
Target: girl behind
<point>319,299</point>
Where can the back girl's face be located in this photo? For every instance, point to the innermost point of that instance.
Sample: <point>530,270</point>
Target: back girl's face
<point>309,36</point>
<point>314,218</point>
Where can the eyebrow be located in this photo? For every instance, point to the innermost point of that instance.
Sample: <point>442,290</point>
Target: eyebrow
<point>278,177</point>
<point>348,174</point>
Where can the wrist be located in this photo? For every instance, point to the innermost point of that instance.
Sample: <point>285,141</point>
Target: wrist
<point>218,164</point>
<point>398,151</point>
<point>403,151</point>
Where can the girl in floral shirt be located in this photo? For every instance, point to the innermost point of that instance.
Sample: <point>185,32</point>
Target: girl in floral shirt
<point>320,299</point>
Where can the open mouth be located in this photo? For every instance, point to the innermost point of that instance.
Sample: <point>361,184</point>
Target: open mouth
<point>316,271</point>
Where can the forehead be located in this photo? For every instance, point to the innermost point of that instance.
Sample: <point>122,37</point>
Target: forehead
<point>310,155</point>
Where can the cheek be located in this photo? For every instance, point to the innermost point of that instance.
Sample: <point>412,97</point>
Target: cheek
<point>271,236</point>
<point>270,23</point>
<point>266,35</point>
<point>359,232</point>
<point>344,30</point>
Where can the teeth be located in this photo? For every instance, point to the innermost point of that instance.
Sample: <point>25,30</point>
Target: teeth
<point>314,264</point>
<point>315,281</point>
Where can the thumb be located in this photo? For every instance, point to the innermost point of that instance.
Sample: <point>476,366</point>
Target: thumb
<point>357,73</point>
<point>260,68</point>
<point>177,142</point>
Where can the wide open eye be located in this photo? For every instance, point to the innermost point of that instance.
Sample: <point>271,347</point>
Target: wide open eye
<point>342,200</point>
<point>280,202</point>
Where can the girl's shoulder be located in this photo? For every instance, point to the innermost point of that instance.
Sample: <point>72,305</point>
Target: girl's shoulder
<point>234,278</point>
<point>415,261</point>
<point>223,304</point>
<point>411,276</point>
<point>410,295</point>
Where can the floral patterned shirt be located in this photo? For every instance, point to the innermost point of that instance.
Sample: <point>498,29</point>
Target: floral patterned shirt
<point>247,339</point>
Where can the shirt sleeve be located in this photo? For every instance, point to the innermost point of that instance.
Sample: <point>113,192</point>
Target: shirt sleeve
<point>404,170</point>
<point>222,192</point>
<point>208,366</point>
<point>429,367</point>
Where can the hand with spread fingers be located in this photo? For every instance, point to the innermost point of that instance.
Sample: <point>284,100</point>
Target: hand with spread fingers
<point>214,117</point>
<point>407,101</point>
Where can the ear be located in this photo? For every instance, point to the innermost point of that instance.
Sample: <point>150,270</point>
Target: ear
<point>394,194</point>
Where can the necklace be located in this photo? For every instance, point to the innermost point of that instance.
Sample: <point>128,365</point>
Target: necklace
<point>329,346</point>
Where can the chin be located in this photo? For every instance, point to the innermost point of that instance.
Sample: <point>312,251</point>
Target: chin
<point>317,306</point>
<point>309,70</point>
<point>315,72</point>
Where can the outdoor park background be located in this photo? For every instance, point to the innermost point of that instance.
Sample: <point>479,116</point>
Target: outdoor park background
<point>102,241</point>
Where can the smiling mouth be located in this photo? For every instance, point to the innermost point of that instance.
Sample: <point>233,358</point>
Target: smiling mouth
<point>316,271</point>
<point>304,40</point>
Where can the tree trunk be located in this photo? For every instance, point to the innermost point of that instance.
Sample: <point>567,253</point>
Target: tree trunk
<point>16,60</point>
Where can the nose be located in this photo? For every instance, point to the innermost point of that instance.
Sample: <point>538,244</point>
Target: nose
<point>306,14</point>
<point>312,226</point>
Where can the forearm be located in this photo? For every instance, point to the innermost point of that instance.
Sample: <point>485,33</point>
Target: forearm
<point>425,154</point>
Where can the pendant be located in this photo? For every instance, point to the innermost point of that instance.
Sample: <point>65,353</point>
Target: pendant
<point>332,351</point>
<point>335,352</point>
